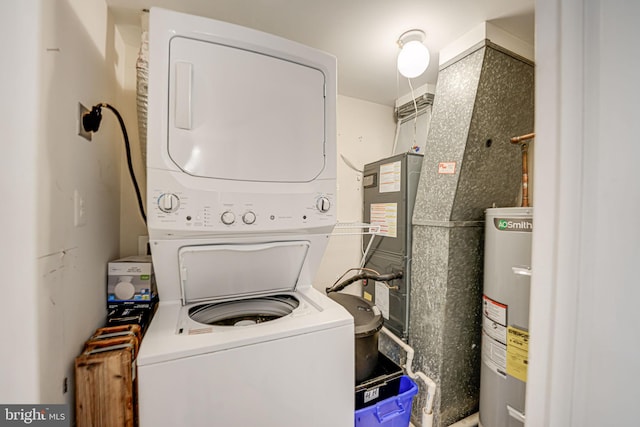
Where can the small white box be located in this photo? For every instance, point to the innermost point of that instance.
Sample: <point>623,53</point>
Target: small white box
<point>131,279</point>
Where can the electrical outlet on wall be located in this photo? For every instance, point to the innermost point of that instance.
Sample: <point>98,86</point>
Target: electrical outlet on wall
<point>82,110</point>
<point>79,210</point>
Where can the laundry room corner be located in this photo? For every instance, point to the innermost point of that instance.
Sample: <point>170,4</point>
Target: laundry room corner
<point>250,213</point>
<point>365,133</point>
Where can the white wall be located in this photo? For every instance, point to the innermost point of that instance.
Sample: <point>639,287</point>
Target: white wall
<point>365,134</point>
<point>585,343</point>
<point>19,369</point>
<point>66,59</point>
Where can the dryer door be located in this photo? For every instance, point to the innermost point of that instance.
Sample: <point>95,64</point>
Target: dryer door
<point>241,115</point>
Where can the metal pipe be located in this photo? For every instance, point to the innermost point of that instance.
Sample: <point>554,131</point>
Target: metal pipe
<point>518,139</point>
<point>525,176</point>
<point>523,140</point>
<point>471,421</point>
<point>427,411</point>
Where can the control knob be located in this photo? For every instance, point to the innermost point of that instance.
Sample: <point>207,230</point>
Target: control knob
<point>249,218</point>
<point>228,218</point>
<point>168,202</point>
<point>323,204</point>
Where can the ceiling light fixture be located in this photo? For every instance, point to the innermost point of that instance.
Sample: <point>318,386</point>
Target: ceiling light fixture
<point>413,58</point>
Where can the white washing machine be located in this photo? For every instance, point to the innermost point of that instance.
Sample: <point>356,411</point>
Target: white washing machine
<point>241,178</point>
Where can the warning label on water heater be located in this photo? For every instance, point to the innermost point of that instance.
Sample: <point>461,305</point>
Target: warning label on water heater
<point>517,353</point>
<point>494,335</point>
<point>494,310</point>
<point>494,329</point>
<point>494,355</point>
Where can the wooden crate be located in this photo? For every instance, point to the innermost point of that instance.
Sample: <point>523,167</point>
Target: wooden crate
<point>106,389</point>
<point>116,331</point>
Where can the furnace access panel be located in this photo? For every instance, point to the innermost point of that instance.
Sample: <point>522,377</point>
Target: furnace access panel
<point>390,187</point>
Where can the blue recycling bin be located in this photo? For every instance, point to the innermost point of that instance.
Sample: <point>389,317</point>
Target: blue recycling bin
<point>394,411</point>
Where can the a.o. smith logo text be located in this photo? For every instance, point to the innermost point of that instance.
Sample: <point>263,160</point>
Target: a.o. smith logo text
<point>513,224</point>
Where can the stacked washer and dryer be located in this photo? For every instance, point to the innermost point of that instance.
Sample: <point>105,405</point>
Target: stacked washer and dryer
<point>241,178</point>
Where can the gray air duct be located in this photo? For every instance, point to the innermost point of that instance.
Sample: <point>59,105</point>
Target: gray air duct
<point>483,97</point>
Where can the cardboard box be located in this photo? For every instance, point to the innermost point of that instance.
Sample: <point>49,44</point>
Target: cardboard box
<point>131,279</point>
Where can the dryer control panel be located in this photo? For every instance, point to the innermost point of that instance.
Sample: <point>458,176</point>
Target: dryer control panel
<point>173,208</point>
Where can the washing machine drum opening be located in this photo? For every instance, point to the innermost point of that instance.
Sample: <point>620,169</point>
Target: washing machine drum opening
<point>244,312</point>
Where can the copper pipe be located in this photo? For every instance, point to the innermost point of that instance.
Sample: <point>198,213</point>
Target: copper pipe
<point>525,177</point>
<point>518,139</point>
<point>523,140</point>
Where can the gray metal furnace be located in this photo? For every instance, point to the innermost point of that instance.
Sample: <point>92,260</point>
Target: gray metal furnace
<point>390,187</point>
<point>505,316</point>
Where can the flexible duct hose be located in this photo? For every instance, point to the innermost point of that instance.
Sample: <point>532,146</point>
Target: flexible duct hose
<point>142,89</point>
<point>366,275</point>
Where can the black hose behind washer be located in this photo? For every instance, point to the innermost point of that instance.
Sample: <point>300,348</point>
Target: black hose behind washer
<point>369,276</point>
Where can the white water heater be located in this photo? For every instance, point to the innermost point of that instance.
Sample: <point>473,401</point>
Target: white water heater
<point>505,316</point>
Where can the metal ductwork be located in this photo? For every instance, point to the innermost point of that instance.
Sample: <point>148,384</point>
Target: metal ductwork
<point>483,98</point>
<point>412,113</point>
<point>409,109</point>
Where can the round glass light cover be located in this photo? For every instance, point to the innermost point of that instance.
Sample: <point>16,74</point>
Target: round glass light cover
<point>413,59</point>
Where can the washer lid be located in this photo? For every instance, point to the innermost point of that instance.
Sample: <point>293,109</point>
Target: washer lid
<point>215,272</point>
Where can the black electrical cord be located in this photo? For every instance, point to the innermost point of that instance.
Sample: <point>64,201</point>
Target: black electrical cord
<point>91,123</point>
<point>378,277</point>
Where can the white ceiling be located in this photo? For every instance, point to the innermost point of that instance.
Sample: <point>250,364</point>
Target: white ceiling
<point>362,34</point>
